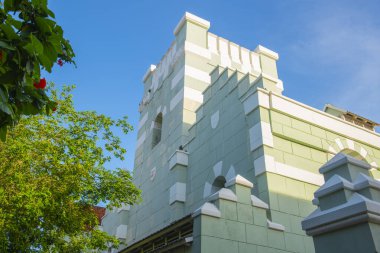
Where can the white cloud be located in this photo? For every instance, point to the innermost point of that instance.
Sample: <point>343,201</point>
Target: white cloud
<point>347,40</point>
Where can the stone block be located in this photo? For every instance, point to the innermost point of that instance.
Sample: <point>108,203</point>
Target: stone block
<point>257,235</point>
<point>244,213</point>
<point>276,239</point>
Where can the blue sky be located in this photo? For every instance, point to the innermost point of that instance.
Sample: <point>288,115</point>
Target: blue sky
<point>329,50</point>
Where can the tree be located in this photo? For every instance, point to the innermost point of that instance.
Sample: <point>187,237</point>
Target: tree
<point>51,175</point>
<point>30,41</point>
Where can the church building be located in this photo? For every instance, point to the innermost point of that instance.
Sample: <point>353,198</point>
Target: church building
<point>226,163</point>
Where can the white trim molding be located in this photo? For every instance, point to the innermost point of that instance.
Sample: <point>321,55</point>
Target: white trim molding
<point>267,163</point>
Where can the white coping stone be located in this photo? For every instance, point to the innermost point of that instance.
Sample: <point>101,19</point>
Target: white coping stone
<point>198,50</point>
<point>339,143</point>
<point>364,181</point>
<point>240,181</point>
<point>341,159</point>
<point>350,144</point>
<point>280,85</point>
<point>363,152</point>
<point>223,193</point>
<point>153,173</point>
<point>260,134</point>
<point>275,226</point>
<point>267,163</point>
<point>164,111</point>
<point>179,157</point>
<point>374,164</point>
<point>207,190</point>
<point>254,100</point>
<point>177,193</point>
<point>335,183</point>
<point>263,50</point>
<point>193,94</point>
<point>230,173</point>
<point>178,77</point>
<point>218,169</point>
<point>192,18</point>
<point>214,119</point>
<point>207,209</point>
<point>197,74</point>
<point>121,231</point>
<point>255,201</point>
<point>323,119</point>
<point>141,139</point>
<point>148,72</point>
<point>176,99</point>
<point>143,120</point>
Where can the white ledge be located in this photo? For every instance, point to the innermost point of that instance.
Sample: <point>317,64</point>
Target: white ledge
<point>223,193</point>
<point>275,226</point>
<point>240,181</point>
<point>148,72</point>
<point>192,18</point>
<point>265,51</point>
<point>207,209</point>
<point>255,201</point>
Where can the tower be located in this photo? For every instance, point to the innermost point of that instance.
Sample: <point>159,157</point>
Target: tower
<point>225,162</point>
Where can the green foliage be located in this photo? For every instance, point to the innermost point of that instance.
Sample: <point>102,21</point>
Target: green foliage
<point>52,174</point>
<point>30,40</point>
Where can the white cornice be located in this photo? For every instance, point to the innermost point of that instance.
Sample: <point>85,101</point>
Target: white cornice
<point>192,18</point>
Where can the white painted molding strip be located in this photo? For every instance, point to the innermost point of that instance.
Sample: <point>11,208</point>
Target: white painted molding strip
<point>268,164</point>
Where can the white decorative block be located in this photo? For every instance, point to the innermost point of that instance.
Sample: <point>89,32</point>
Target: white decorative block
<point>260,134</point>
<point>207,190</point>
<point>195,49</point>
<point>197,74</point>
<point>193,94</point>
<point>141,139</point>
<point>176,99</point>
<point>254,100</point>
<point>350,144</point>
<point>177,193</point>
<point>231,173</point>
<point>121,232</point>
<point>218,169</point>
<point>363,152</point>
<point>179,157</point>
<point>214,119</point>
<point>153,173</point>
<point>339,143</point>
<point>180,74</point>
<point>264,163</point>
<point>143,120</point>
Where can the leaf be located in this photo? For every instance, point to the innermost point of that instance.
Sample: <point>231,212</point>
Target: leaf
<point>6,45</point>
<point>3,133</point>
<point>38,47</point>
<point>43,25</point>
<point>8,5</point>
<point>9,32</point>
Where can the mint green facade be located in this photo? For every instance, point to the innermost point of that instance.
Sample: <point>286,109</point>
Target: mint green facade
<point>234,155</point>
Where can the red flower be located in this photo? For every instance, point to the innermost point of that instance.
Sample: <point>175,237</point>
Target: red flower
<point>54,109</point>
<point>41,84</point>
<point>60,62</point>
